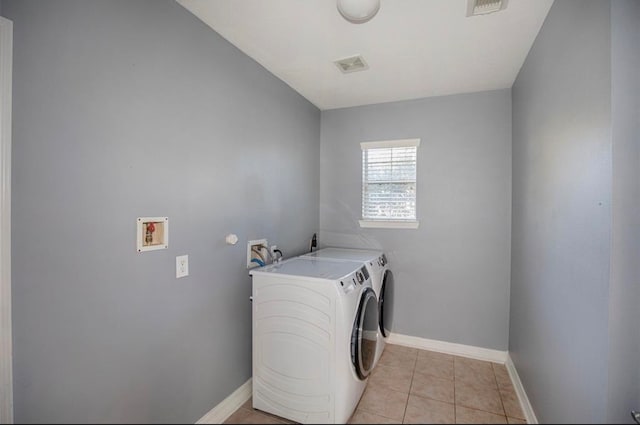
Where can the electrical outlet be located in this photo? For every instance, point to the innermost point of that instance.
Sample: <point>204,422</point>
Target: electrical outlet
<point>182,266</point>
<point>261,256</point>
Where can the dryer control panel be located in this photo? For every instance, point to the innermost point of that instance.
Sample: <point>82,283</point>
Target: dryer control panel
<point>354,280</point>
<point>377,264</point>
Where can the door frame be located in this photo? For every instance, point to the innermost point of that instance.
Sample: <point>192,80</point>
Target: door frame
<point>6,351</point>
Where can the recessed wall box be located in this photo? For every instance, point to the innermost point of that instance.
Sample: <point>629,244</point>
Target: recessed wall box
<point>257,253</point>
<point>152,233</point>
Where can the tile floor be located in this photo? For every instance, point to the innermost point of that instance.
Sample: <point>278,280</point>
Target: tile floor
<point>414,386</point>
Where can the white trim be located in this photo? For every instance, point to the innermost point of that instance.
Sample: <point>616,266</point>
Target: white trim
<point>387,224</point>
<point>403,143</point>
<point>461,350</point>
<point>226,407</point>
<point>525,404</point>
<point>6,372</point>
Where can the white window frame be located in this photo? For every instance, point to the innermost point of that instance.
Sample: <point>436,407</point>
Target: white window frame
<point>390,224</point>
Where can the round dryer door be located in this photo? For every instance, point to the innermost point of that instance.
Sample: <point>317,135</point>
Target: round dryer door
<point>365,334</point>
<point>386,303</point>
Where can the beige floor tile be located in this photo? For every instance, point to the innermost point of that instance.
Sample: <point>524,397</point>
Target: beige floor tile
<point>428,386</point>
<point>502,376</point>
<point>383,402</point>
<point>426,354</point>
<point>472,416</point>
<point>404,359</point>
<point>440,368</point>
<point>245,416</point>
<point>425,411</point>
<point>477,365</point>
<point>474,372</point>
<point>478,397</point>
<point>248,404</point>
<point>511,404</point>
<point>393,348</point>
<point>482,392</point>
<point>392,378</point>
<point>362,417</point>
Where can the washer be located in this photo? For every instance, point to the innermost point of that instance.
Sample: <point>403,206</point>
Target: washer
<point>314,338</point>
<point>382,280</point>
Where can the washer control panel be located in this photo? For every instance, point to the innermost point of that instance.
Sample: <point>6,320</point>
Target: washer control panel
<point>365,272</point>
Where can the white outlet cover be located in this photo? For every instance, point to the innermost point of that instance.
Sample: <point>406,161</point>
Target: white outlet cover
<point>182,266</point>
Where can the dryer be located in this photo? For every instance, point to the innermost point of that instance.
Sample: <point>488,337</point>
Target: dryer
<point>381,278</point>
<point>314,338</point>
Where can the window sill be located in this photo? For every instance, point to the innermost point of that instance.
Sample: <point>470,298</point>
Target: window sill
<point>381,224</point>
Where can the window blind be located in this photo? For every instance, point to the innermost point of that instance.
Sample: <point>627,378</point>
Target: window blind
<point>389,172</point>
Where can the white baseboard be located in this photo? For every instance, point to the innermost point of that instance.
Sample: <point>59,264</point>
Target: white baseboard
<point>527,409</point>
<point>461,350</point>
<point>226,407</point>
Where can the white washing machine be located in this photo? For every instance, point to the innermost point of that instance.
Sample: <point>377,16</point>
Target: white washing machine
<point>314,338</point>
<point>381,278</point>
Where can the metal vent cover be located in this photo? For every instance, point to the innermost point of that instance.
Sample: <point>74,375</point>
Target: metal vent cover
<point>351,64</point>
<point>482,7</point>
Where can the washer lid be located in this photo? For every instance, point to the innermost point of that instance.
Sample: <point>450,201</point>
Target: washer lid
<point>308,267</point>
<point>346,254</point>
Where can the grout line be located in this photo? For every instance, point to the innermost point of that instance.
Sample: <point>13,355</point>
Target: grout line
<point>497,387</point>
<point>455,404</point>
<point>495,377</point>
<point>413,373</point>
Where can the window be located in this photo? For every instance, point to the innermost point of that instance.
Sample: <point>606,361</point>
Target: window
<point>389,170</point>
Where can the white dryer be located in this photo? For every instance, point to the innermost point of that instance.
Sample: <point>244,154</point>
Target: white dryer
<point>381,278</point>
<point>314,338</point>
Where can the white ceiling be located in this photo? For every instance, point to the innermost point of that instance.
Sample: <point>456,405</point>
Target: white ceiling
<point>414,48</point>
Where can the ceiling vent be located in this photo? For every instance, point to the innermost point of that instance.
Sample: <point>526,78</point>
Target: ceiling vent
<point>482,7</point>
<point>352,64</point>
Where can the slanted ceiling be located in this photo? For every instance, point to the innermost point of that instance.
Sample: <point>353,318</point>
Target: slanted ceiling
<point>414,48</point>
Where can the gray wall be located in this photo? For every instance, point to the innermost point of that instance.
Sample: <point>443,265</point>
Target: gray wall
<point>562,214</point>
<point>126,108</point>
<point>624,315</point>
<point>452,274</point>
